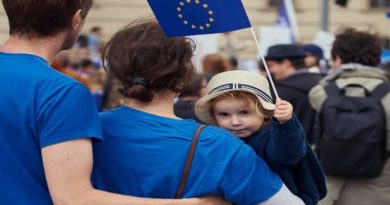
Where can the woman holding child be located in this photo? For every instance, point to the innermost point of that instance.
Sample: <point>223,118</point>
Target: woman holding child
<point>146,145</point>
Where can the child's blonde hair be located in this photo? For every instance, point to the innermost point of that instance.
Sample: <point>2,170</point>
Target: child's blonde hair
<point>245,97</point>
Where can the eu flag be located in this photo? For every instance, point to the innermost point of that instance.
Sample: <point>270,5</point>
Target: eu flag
<point>193,17</point>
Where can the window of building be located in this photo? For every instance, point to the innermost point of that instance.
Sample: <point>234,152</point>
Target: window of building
<point>379,3</point>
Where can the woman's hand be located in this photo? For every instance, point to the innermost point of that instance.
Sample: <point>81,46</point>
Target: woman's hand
<point>283,110</point>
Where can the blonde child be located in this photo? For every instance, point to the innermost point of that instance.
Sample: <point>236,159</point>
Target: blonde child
<point>240,102</point>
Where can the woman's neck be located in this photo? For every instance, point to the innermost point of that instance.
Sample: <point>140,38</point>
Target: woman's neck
<point>161,105</point>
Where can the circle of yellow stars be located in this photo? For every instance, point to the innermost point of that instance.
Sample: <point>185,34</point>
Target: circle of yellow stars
<point>185,21</point>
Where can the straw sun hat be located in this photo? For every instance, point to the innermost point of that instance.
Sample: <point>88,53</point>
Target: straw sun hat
<point>237,80</point>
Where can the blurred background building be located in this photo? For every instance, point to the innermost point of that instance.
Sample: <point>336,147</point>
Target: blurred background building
<point>111,15</point>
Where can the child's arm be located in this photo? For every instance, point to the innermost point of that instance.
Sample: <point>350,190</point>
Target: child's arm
<point>287,143</point>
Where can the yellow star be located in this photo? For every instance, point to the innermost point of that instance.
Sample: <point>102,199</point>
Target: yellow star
<point>211,12</point>
<point>178,9</point>
<point>193,26</point>
<point>197,1</point>
<point>201,27</point>
<point>188,1</point>
<point>181,3</point>
<point>211,19</point>
<point>185,22</point>
<point>180,16</point>
<point>205,6</point>
<point>207,25</point>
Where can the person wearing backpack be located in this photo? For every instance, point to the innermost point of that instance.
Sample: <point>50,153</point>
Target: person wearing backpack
<point>354,123</point>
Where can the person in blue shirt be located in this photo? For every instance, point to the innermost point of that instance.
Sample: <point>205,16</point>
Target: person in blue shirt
<point>240,102</point>
<point>48,120</point>
<point>146,144</point>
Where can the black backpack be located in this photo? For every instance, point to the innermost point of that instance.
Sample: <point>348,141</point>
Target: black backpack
<point>352,140</point>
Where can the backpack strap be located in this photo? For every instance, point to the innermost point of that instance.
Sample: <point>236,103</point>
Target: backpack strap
<point>332,89</point>
<point>381,90</point>
<point>188,163</point>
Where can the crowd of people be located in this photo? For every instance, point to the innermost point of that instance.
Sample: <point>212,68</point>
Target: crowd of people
<point>170,133</point>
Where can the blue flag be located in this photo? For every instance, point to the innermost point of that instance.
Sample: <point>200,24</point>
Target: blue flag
<point>286,18</point>
<point>282,19</point>
<point>192,17</point>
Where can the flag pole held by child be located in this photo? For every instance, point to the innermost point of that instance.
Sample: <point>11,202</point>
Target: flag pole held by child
<point>264,63</point>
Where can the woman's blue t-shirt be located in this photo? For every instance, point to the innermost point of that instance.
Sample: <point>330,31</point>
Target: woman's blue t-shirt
<point>144,155</point>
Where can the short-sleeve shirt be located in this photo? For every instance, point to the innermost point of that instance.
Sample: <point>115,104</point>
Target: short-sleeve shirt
<point>39,107</point>
<point>144,155</point>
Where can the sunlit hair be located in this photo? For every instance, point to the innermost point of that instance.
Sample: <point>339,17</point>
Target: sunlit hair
<point>142,51</point>
<point>248,99</point>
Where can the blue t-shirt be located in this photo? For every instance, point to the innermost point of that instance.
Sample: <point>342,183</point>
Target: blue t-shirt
<point>38,107</point>
<point>144,155</point>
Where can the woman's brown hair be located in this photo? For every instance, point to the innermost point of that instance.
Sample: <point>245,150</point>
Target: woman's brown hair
<point>146,61</point>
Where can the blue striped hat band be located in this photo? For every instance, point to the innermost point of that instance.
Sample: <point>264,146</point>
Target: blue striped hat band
<point>234,86</point>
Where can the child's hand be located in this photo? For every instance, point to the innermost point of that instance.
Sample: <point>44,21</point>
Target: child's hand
<point>283,110</point>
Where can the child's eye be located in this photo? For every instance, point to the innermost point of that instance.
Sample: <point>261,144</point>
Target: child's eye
<point>244,112</point>
<point>223,114</point>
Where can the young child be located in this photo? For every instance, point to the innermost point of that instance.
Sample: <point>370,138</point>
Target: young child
<point>240,102</point>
